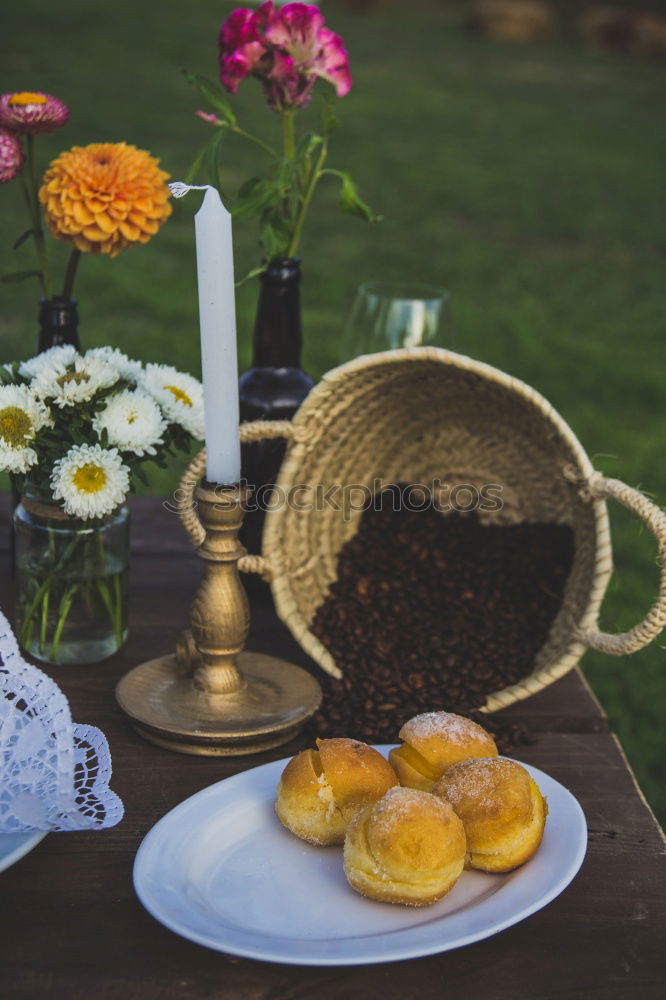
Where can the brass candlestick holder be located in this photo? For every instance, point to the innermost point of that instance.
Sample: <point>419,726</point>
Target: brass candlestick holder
<point>210,697</point>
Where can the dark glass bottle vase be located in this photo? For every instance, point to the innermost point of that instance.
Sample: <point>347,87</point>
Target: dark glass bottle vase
<point>58,324</point>
<point>274,387</point>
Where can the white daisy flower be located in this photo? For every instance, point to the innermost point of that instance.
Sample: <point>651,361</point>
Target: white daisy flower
<point>126,368</point>
<point>180,396</point>
<point>133,422</point>
<point>21,416</point>
<point>53,359</point>
<point>77,383</point>
<point>91,480</point>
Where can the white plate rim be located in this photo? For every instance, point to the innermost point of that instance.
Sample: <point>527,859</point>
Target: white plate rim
<point>306,957</point>
<point>31,840</point>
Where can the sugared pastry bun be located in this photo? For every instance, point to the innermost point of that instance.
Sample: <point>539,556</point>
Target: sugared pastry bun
<point>321,790</point>
<point>407,848</point>
<point>434,741</point>
<point>501,808</point>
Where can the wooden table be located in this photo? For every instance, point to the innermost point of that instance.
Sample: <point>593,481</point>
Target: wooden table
<point>72,927</point>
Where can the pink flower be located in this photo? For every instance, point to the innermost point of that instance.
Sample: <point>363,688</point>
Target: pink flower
<point>31,112</point>
<point>287,49</point>
<point>284,86</point>
<point>207,116</point>
<point>241,49</point>
<point>11,155</point>
<point>298,29</point>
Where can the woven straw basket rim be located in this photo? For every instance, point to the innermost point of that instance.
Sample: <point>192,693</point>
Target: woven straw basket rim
<point>286,559</point>
<point>333,382</point>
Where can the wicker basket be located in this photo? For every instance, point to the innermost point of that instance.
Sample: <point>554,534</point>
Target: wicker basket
<point>424,414</point>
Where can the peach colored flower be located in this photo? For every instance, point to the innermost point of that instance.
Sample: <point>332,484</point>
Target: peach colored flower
<point>105,197</point>
<point>31,112</point>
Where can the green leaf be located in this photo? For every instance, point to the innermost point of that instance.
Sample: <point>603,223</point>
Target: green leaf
<point>254,197</point>
<point>284,175</point>
<point>274,233</point>
<point>309,142</point>
<point>24,236</point>
<point>9,279</point>
<point>195,166</point>
<point>350,199</point>
<point>9,375</point>
<point>250,274</point>
<point>248,186</point>
<point>273,243</point>
<point>213,93</point>
<point>141,475</point>
<point>212,157</point>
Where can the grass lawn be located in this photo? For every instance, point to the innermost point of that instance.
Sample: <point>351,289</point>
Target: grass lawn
<point>528,179</point>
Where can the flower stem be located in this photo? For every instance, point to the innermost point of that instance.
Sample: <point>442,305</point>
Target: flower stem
<point>63,613</point>
<point>106,598</point>
<point>113,605</point>
<point>58,567</point>
<point>27,625</point>
<point>40,244</point>
<point>70,273</point>
<point>45,618</point>
<point>305,201</point>
<point>27,197</point>
<point>289,143</point>
<point>253,138</point>
<point>34,225</point>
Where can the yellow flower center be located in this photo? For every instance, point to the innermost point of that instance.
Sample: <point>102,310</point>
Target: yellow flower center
<point>89,478</point>
<point>77,377</point>
<point>15,426</point>
<point>132,418</point>
<point>26,97</point>
<point>179,395</point>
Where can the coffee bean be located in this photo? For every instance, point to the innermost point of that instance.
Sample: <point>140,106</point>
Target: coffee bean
<point>435,612</point>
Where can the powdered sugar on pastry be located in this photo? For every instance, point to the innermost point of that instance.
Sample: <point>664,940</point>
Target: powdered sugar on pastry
<point>455,728</point>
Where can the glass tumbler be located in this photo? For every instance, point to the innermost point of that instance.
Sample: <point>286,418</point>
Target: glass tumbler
<point>387,315</point>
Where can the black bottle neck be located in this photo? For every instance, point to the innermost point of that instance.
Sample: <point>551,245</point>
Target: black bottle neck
<point>277,328</point>
<point>58,323</point>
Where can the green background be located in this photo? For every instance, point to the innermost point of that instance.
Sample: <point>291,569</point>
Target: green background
<point>526,178</point>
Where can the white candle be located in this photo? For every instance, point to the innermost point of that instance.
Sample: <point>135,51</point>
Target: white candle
<point>217,323</point>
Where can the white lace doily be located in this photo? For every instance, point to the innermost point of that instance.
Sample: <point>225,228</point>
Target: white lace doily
<point>55,775</point>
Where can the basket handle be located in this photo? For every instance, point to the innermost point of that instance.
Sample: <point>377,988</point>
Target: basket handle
<point>257,430</point>
<point>598,487</point>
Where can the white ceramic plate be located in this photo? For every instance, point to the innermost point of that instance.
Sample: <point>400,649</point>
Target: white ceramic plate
<point>14,845</point>
<point>220,870</point>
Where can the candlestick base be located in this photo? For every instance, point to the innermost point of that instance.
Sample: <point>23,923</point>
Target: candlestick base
<point>167,709</point>
<point>210,697</point>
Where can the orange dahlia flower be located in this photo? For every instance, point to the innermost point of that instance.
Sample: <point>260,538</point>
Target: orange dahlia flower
<point>105,197</point>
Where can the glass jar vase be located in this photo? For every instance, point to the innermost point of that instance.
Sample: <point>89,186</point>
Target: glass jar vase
<point>71,583</point>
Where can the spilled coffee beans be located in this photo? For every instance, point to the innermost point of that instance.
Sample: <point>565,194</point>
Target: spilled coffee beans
<point>435,612</point>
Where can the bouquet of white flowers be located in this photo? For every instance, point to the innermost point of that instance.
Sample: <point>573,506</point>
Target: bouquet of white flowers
<point>76,428</point>
<point>75,433</point>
